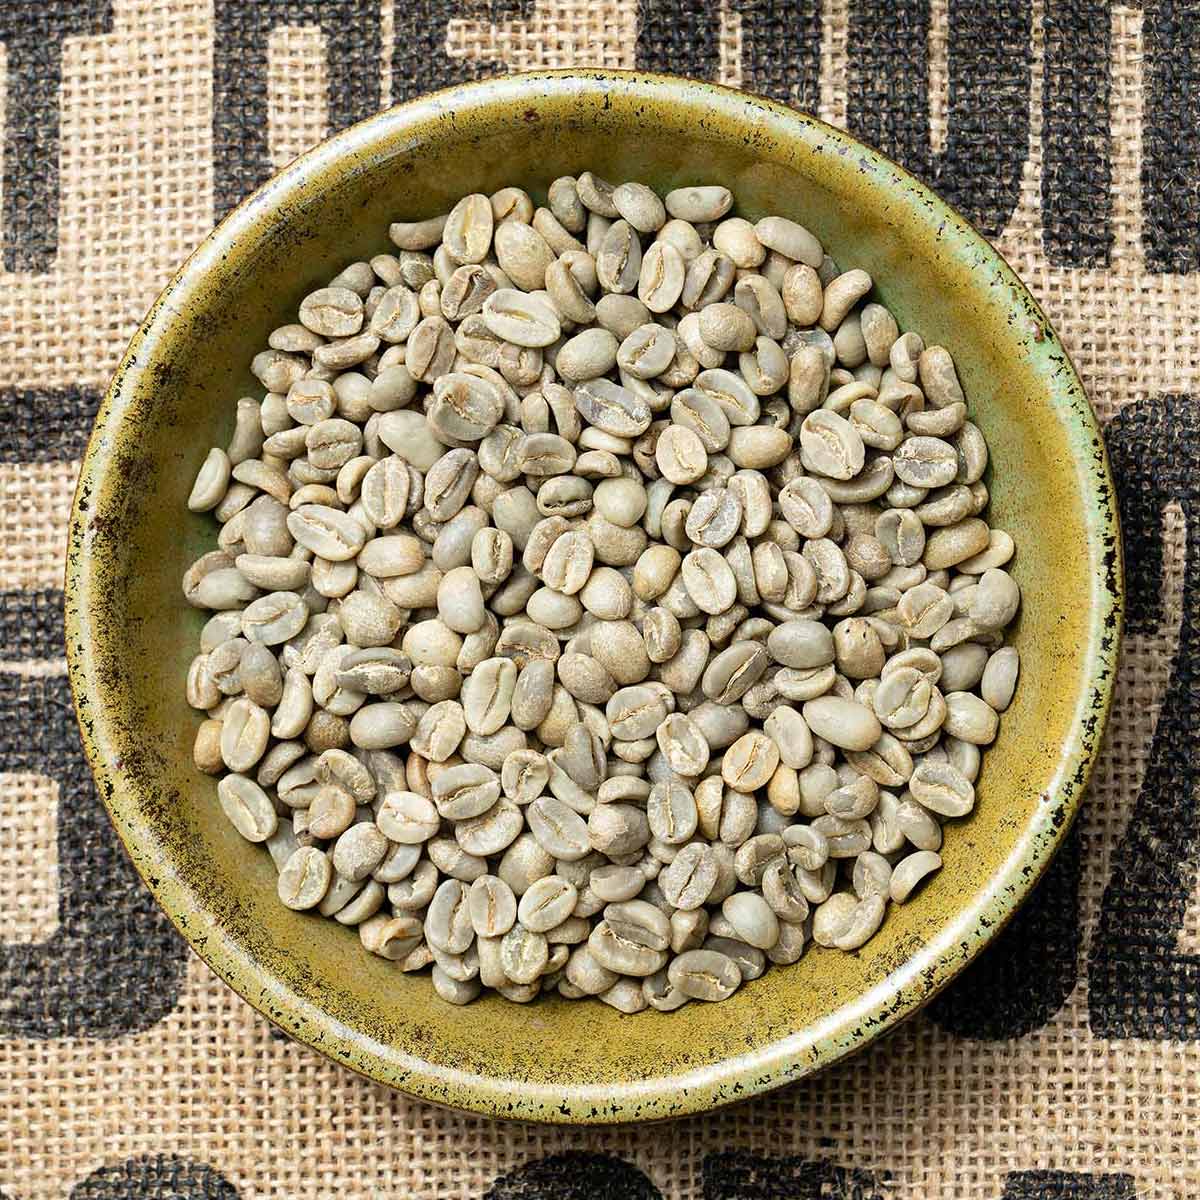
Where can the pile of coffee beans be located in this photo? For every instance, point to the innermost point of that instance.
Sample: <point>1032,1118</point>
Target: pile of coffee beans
<point>604,603</point>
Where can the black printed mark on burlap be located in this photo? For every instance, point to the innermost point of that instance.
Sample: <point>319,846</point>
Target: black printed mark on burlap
<point>741,1175</point>
<point>987,114</point>
<point>114,966</point>
<point>1019,982</point>
<point>574,1175</point>
<point>31,625</point>
<point>1171,135</point>
<point>155,1177</point>
<point>1067,1185</point>
<point>420,62</point>
<point>46,424</point>
<point>353,37</point>
<point>1140,984</point>
<point>679,36</point>
<point>353,45</point>
<point>781,49</point>
<point>1076,175</point>
<point>780,42</point>
<point>33,33</point>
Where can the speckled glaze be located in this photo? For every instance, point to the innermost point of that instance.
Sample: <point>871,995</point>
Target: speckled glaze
<point>130,635</point>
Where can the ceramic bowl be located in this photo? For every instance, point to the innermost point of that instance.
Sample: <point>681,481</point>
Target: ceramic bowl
<point>131,636</point>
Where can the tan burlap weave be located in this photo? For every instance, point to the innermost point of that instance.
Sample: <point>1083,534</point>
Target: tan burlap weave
<point>208,1093</point>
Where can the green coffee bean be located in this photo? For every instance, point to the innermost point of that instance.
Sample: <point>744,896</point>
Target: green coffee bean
<point>588,730</point>
<point>247,806</point>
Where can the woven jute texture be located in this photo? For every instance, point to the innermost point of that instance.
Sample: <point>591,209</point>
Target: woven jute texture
<point>1066,1064</point>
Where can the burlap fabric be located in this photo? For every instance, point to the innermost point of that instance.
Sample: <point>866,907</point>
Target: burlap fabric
<point>1066,1063</point>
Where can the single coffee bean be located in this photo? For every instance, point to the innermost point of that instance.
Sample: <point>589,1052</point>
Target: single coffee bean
<point>671,812</point>
<point>970,718</point>
<point>617,829</point>
<point>910,871</point>
<point>942,788</point>
<point>305,878</point>
<point>695,204</point>
<point>558,829</point>
<point>612,408</point>
<point>248,807</point>
<point>613,883</point>
<point>615,951</point>
<point>750,762</point>
<point>842,722</point>
<point>619,259</point>
<point>709,580</point>
<point>245,731</point>
<point>523,254</point>
<point>407,818</point>
<point>726,327</point>
<point>830,445</point>
<point>546,904</point>
<point>841,294</point>
<point>752,919</point>
<point>999,678</point>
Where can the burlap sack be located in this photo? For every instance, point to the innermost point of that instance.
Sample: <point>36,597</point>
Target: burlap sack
<point>1065,1063</point>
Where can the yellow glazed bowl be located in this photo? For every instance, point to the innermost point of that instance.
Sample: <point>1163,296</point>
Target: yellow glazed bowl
<point>130,635</point>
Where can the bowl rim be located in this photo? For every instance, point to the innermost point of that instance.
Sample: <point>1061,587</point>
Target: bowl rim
<point>731,1079</point>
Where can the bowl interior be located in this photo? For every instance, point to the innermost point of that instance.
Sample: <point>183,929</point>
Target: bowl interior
<point>131,635</point>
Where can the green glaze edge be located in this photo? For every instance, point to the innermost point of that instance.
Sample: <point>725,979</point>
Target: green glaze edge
<point>105,718</point>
